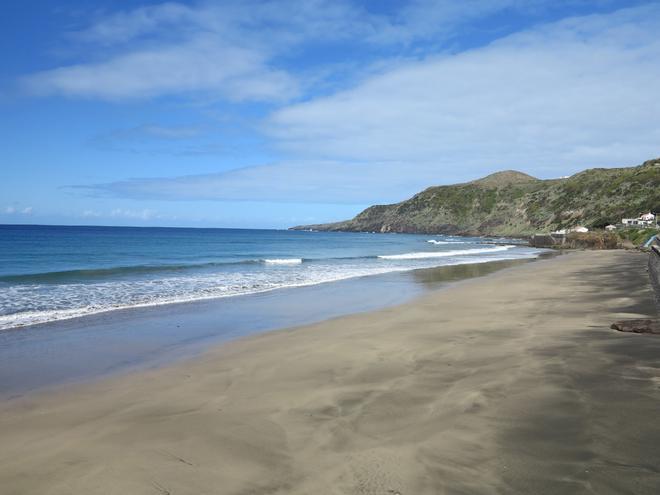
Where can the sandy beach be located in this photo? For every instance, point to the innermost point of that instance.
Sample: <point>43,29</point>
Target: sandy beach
<point>511,383</point>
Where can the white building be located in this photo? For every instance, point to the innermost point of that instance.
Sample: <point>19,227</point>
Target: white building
<point>610,227</point>
<point>643,220</point>
<point>579,228</point>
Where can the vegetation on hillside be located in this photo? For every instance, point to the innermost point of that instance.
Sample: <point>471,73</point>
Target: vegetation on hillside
<point>515,204</point>
<point>637,237</point>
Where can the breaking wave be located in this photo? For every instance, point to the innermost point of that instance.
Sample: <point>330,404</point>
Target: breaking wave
<point>444,254</point>
<point>283,261</point>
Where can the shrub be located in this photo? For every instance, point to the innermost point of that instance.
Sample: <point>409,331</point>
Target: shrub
<point>593,240</point>
<point>637,236</point>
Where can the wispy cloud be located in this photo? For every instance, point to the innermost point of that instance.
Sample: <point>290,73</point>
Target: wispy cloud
<point>160,139</point>
<point>143,214</point>
<point>124,213</point>
<point>416,111</point>
<point>442,20</point>
<point>14,210</point>
<point>154,131</point>
<point>202,65</point>
<point>576,93</point>
<point>243,50</point>
<point>163,132</point>
<point>226,51</point>
<point>124,26</point>
<point>303,181</point>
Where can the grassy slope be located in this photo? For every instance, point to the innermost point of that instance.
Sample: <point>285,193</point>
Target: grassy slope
<point>512,203</point>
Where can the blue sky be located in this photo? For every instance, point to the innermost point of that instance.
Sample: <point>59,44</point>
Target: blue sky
<point>270,114</point>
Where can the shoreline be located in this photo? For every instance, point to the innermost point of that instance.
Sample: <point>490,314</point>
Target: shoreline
<point>81,315</point>
<point>510,383</point>
<point>92,347</point>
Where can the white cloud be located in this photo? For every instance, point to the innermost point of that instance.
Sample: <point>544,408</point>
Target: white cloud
<point>152,131</point>
<point>159,139</point>
<point>125,213</point>
<point>267,23</point>
<point>575,93</point>
<point>306,181</point>
<point>234,49</point>
<point>13,210</point>
<point>125,26</point>
<point>200,65</point>
<point>175,49</point>
<point>163,132</point>
<point>550,100</point>
<point>144,214</point>
<point>426,19</point>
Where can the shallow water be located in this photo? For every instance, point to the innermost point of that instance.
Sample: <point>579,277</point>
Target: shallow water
<point>50,273</point>
<point>89,347</point>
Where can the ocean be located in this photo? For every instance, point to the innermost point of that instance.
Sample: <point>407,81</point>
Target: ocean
<point>50,273</point>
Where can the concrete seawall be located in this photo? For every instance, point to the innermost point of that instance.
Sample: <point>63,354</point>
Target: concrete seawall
<point>654,273</point>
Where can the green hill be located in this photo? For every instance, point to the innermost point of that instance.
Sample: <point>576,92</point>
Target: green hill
<point>511,203</point>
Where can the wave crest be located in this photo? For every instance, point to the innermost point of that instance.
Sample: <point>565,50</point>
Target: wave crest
<point>443,254</point>
<point>435,242</point>
<point>283,261</point>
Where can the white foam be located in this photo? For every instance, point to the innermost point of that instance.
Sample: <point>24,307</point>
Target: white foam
<point>31,304</point>
<point>437,243</point>
<point>284,261</point>
<point>444,254</point>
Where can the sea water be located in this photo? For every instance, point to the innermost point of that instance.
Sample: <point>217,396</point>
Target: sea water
<point>50,273</point>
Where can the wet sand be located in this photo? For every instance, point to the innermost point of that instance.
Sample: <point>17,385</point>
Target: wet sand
<point>512,383</point>
<point>91,347</point>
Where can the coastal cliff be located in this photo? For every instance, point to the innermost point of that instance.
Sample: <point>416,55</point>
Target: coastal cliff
<point>512,203</point>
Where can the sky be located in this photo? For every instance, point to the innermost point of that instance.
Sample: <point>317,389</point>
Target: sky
<point>268,114</point>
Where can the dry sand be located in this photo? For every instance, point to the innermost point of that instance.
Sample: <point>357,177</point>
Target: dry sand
<point>512,383</point>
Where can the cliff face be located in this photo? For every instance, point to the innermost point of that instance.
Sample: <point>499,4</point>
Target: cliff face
<point>515,204</point>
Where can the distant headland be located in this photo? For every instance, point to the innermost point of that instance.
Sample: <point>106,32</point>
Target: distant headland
<point>511,203</point>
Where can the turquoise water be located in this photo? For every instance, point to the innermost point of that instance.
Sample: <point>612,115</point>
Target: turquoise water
<point>50,273</point>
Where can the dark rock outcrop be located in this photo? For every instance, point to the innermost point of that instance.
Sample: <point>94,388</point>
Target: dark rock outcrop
<point>637,326</point>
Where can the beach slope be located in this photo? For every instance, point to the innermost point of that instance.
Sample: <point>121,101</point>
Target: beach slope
<point>512,383</point>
